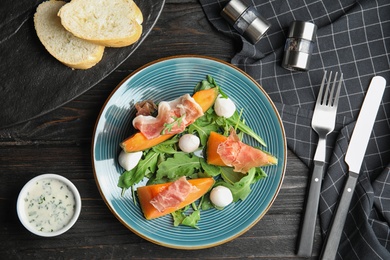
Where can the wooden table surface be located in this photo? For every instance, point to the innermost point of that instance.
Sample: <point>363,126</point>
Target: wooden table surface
<point>60,143</point>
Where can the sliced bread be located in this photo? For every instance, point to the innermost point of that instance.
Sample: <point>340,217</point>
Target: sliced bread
<point>112,23</point>
<point>64,46</point>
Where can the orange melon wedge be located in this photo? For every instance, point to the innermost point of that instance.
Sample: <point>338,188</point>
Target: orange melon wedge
<point>214,158</point>
<point>206,98</point>
<point>138,142</point>
<point>147,193</point>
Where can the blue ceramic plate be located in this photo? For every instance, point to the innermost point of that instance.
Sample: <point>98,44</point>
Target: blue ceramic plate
<point>168,79</point>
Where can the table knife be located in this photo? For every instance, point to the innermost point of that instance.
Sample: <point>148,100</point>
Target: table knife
<point>354,158</point>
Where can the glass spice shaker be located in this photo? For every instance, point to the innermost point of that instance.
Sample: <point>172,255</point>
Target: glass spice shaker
<point>246,20</point>
<point>299,46</point>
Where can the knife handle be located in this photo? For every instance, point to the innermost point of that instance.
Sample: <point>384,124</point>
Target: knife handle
<point>306,239</point>
<point>332,240</point>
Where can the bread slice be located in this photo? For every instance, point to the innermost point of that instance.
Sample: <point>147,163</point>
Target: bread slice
<point>64,46</point>
<point>112,23</point>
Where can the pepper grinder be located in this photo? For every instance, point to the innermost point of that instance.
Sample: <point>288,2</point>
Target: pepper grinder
<point>246,20</point>
<point>299,46</point>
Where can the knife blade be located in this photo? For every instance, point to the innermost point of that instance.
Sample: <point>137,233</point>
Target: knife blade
<point>354,159</point>
<point>355,153</point>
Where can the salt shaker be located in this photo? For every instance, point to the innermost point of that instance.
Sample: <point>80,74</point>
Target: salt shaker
<point>246,20</point>
<point>299,46</point>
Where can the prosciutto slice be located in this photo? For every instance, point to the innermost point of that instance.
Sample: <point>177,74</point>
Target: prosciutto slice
<point>145,108</point>
<point>173,195</point>
<point>239,155</point>
<point>180,113</point>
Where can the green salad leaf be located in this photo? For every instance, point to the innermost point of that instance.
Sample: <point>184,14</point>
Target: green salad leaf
<point>207,83</point>
<point>181,164</point>
<point>134,176</point>
<point>240,124</point>
<point>203,126</point>
<point>241,188</point>
<point>181,218</point>
<point>192,219</point>
<point>209,170</point>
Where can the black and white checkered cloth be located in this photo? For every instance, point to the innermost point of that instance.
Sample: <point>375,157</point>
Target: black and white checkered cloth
<point>353,37</point>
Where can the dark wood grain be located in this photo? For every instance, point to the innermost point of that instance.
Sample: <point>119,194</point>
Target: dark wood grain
<point>60,142</point>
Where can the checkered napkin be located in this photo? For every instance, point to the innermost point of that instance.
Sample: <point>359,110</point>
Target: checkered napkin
<point>353,37</point>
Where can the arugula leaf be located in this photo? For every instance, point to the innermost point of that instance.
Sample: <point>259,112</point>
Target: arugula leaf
<point>126,180</point>
<point>242,188</point>
<point>209,170</point>
<point>181,164</point>
<point>231,176</point>
<point>203,130</point>
<point>168,126</point>
<point>178,217</point>
<point>207,83</point>
<point>129,178</point>
<point>206,202</point>
<point>171,141</point>
<point>260,174</point>
<point>192,219</point>
<point>167,147</point>
<point>235,121</point>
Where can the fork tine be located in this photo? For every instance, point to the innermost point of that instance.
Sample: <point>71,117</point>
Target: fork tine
<point>325,99</point>
<point>320,93</point>
<point>336,98</point>
<point>331,98</point>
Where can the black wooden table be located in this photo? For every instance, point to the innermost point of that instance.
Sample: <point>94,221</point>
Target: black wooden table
<point>60,143</point>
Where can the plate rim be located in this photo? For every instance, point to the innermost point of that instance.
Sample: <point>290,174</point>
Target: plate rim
<point>283,168</point>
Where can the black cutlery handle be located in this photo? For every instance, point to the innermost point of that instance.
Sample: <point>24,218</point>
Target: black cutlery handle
<point>332,240</point>
<point>306,239</point>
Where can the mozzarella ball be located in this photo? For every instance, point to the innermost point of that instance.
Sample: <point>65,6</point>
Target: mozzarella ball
<point>129,160</point>
<point>189,143</point>
<point>221,196</point>
<point>224,107</point>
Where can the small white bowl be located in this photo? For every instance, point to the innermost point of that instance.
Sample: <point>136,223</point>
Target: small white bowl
<point>39,208</point>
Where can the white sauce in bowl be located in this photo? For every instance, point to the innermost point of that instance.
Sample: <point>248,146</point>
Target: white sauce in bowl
<point>49,205</point>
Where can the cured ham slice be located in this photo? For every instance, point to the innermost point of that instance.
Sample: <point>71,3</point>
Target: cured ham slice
<point>173,195</point>
<point>241,156</point>
<point>145,108</point>
<point>179,113</point>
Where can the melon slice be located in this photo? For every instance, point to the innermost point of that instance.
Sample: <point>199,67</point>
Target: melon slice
<point>147,193</point>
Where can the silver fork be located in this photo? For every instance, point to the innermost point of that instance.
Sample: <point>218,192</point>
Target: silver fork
<point>323,123</point>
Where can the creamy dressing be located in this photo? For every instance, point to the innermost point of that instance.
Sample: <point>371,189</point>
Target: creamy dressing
<point>49,205</point>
